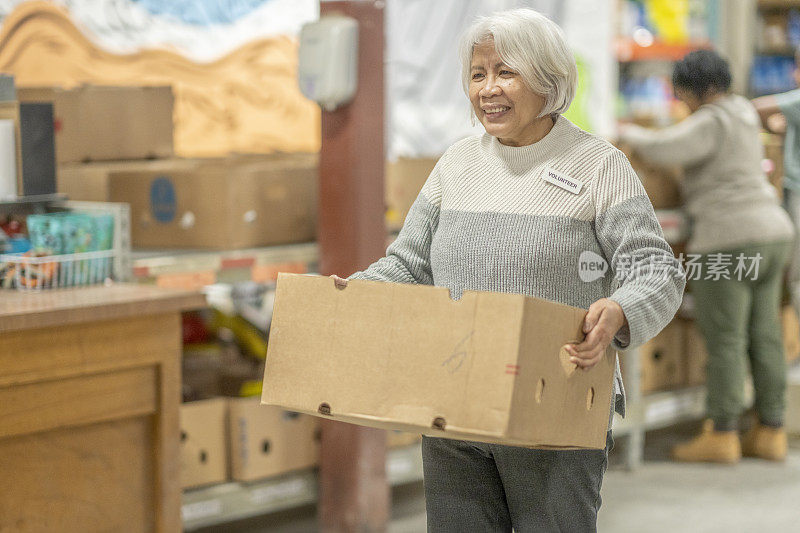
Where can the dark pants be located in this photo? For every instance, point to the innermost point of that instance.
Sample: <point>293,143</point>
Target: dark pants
<point>476,487</point>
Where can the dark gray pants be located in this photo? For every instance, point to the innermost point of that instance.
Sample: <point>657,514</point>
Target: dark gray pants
<point>476,487</point>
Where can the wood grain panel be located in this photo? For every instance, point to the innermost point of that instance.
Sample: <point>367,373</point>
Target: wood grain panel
<point>77,401</point>
<point>93,478</point>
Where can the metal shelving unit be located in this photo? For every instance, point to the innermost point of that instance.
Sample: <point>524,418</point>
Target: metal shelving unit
<point>228,502</point>
<point>253,264</point>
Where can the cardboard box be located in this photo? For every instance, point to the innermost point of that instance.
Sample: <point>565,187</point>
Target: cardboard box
<point>201,367</point>
<point>268,441</point>
<point>695,354</point>
<point>486,367</point>
<point>661,184</point>
<point>662,360</point>
<point>404,179</point>
<point>791,333</point>
<point>9,110</point>
<point>793,403</point>
<point>203,453</point>
<point>98,123</point>
<point>91,181</point>
<point>399,439</point>
<point>773,154</point>
<point>222,204</point>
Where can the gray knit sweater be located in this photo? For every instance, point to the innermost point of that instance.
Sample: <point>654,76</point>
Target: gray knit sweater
<point>728,198</point>
<point>517,219</point>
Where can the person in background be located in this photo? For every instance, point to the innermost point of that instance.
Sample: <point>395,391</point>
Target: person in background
<point>512,211</point>
<point>736,217</point>
<point>780,114</point>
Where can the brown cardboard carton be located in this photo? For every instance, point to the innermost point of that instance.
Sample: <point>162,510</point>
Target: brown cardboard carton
<point>223,204</point>
<point>773,152</point>
<point>399,439</point>
<point>9,110</point>
<point>268,441</point>
<point>661,184</point>
<point>662,360</point>
<point>91,181</point>
<point>404,179</point>
<point>791,333</point>
<point>203,452</point>
<point>695,353</point>
<point>98,123</point>
<point>486,367</point>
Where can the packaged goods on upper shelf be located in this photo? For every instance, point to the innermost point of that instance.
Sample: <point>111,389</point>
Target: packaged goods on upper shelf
<point>236,202</point>
<point>661,184</point>
<point>69,233</point>
<point>107,123</point>
<point>67,249</point>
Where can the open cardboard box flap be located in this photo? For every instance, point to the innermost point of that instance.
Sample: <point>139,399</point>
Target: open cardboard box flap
<point>487,367</point>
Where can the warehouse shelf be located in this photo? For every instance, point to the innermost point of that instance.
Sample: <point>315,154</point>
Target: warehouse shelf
<point>34,199</point>
<point>778,4</point>
<point>662,409</point>
<point>628,50</point>
<point>228,502</point>
<point>256,264</point>
<point>656,410</point>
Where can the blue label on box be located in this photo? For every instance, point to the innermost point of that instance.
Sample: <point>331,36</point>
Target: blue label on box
<point>162,200</point>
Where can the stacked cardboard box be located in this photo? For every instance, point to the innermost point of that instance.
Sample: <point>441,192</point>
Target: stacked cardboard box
<point>267,441</point>
<point>404,180</point>
<point>791,333</point>
<point>695,353</point>
<point>98,123</point>
<point>204,445</point>
<point>238,439</point>
<point>116,144</point>
<point>237,202</point>
<point>661,360</point>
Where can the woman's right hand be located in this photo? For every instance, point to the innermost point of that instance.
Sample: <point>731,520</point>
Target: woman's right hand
<point>340,283</point>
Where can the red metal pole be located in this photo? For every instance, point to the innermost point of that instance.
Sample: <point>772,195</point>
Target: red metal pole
<point>354,493</point>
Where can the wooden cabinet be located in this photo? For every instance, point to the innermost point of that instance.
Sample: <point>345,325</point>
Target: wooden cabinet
<point>89,395</point>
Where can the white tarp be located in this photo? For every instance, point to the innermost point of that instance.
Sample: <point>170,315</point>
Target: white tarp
<point>426,105</point>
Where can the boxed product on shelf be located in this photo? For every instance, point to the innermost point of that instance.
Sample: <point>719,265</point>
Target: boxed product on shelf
<point>791,333</point>
<point>773,161</point>
<point>90,181</point>
<point>267,441</point>
<point>222,204</point>
<point>204,442</point>
<point>661,360</point>
<point>695,353</point>
<point>201,367</point>
<point>67,249</point>
<point>404,179</point>
<point>106,123</point>
<point>398,439</point>
<point>486,366</point>
<point>661,184</point>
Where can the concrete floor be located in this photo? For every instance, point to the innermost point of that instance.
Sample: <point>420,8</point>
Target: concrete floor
<point>660,497</point>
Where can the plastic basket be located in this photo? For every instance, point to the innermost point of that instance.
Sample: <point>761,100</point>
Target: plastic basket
<point>24,272</point>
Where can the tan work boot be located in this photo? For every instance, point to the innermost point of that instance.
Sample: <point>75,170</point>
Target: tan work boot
<point>765,442</point>
<point>710,446</point>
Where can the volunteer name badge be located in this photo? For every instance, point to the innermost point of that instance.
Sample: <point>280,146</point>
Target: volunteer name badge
<point>561,180</point>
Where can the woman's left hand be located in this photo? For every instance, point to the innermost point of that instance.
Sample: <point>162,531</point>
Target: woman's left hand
<point>604,319</point>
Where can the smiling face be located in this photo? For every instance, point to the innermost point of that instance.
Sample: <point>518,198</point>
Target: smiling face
<point>502,101</point>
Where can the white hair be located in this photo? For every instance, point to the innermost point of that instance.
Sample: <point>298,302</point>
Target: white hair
<point>534,46</point>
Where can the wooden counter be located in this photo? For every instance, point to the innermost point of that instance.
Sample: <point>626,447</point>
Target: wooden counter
<point>89,396</point>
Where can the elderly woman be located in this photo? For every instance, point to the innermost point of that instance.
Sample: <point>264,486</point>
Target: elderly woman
<point>512,211</point>
<point>735,214</point>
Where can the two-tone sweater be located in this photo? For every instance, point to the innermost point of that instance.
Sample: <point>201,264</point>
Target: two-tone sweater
<point>526,220</point>
<point>726,193</point>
